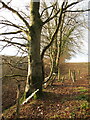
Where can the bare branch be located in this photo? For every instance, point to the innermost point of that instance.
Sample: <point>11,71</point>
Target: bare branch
<point>68,6</point>
<point>4,40</point>
<point>20,38</point>
<point>20,48</point>
<point>64,9</point>
<point>46,9</point>
<point>55,33</point>
<point>77,10</point>
<point>9,23</point>
<point>14,66</point>
<point>3,47</point>
<point>19,31</point>
<point>14,75</point>
<point>51,17</point>
<point>14,11</point>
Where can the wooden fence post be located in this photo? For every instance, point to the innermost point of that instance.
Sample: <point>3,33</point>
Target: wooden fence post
<point>18,102</point>
<point>59,74</point>
<point>79,73</point>
<point>69,74</point>
<point>73,76</point>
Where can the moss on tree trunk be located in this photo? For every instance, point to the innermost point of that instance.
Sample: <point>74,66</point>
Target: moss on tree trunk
<point>35,64</point>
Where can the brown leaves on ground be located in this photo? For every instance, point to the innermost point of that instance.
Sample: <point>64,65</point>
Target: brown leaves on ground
<point>60,101</point>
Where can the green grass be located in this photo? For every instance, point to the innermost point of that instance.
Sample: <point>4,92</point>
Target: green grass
<point>81,89</point>
<point>85,105</point>
<point>72,114</point>
<point>82,97</point>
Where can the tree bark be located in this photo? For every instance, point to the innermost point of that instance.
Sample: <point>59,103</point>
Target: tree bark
<point>35,64</point>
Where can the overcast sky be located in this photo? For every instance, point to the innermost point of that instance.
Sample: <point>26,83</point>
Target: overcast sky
<point>78,57</point>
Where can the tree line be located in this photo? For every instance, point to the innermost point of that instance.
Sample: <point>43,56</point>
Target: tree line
<point>52,31</point>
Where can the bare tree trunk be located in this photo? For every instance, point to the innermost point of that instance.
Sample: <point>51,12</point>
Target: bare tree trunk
<point>35,64</point>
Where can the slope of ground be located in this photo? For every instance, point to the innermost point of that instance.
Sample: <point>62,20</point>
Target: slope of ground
<point>63,100</point>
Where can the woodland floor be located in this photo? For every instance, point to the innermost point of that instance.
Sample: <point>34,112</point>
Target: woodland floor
<point>61,101</point>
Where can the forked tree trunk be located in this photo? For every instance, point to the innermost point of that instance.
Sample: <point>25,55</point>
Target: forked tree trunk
<point>35,73</point>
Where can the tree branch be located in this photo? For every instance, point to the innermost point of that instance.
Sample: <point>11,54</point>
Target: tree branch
<point>9,23</point>
<point>16,67</point>
<point>4,40</point>
<point>59,11</point>
<point>14,11</point>
<point>77,10</point>
<point>56,31</point>
<point>19,31</point>
<point>17,75</point>
<point>46,9</point>
<point>51,17</point>
<point>74,3</point>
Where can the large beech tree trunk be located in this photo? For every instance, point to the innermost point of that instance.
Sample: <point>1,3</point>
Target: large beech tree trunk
<point>35,72</point>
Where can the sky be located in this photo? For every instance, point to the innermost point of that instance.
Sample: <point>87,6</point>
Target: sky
<point>77,58</point>
<point>84,56</point>
<point>89,33</point>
